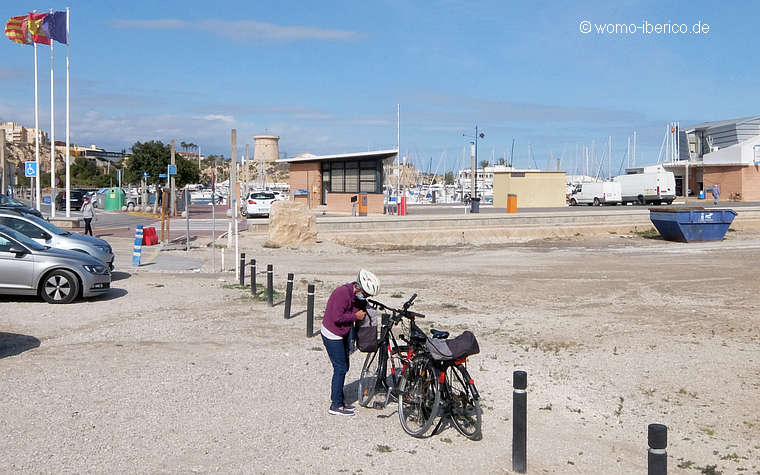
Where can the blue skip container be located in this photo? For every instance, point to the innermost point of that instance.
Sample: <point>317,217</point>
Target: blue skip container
<point>691,224</point>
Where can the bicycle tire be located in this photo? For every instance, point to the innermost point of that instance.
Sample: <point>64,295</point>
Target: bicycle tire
<point>465,409</point>
<point>419,401</point>
<point>368,379</point>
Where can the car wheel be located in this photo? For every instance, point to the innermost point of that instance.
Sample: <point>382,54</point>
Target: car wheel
<point>573,202</point>
<point>597,202</point>
<point>60,286</point>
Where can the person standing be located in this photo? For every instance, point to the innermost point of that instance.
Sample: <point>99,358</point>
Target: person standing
<point>716,193</point>
<point>344,307</point>
<point>88,213</point>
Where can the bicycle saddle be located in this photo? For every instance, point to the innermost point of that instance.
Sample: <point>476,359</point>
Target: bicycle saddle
<point>441,335</point>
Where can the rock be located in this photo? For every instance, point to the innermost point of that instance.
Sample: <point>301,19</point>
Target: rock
<point>291,224</point>
<point>123,208</point>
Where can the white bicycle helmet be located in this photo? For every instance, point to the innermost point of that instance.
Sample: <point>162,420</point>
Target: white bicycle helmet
<point>367,281</point>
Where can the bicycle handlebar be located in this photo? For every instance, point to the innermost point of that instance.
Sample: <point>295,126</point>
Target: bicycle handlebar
<point>403,311</point>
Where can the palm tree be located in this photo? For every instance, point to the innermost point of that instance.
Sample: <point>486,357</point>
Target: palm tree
<point>183,145</point>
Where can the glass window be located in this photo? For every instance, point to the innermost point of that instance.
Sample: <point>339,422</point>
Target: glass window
<point>27,229</point>
<point>352,180</point>
<point>5,244</point>
<point>336,182</point>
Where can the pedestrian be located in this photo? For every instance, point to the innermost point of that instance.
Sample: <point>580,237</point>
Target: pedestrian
<point>716,193</point>
<point>88,213</point>
<point>345,306</point>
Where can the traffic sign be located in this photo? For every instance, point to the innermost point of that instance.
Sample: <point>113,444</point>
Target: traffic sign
<point>163,175</point>
<point>172,169</point>
<point>30,169</point>
<point>146,174</point>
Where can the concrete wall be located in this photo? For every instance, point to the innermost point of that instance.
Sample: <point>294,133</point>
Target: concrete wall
<point>534,190</point>
<point>751,183</point>
<point>308,176</point>
<point>729,179</point>
<point>740,153</point>
<point>341,202</point>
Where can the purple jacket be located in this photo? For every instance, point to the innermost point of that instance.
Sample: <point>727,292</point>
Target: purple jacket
<point>341,309</point>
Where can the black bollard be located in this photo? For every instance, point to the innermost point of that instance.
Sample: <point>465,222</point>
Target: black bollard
<point>310,311</point>
<point>288,295</point>
<point>270,285</point>
<point>253,277</point>
<point>519,422</point>
<point>658,456</point>
<point>242,269</point>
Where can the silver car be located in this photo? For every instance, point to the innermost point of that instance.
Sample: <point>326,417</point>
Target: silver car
<point>58,276</point>
<point>48,234</point>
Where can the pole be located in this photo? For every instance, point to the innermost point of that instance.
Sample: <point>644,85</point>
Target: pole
<point>68,119</point>
<point>37,131</point>
<point>236,245</point>
<point>187,218</point>
<point>3,188</point>
<point>519,421</point>
<point>233,175</point>
<point>253,277</point>
<point>310,311</point>
<point>172,185</point>
<point>657,458</point>
<point>221,251</point>
<point>398,157</point>
<point>475,186</point>
<point>242,269</point>
<point>213,217</point>
<point>288,295</point>
<point>52,132</point>
<point>270,285</point>
<point>634,149</point>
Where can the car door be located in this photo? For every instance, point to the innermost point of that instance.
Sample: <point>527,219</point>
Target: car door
<point>16,270</point>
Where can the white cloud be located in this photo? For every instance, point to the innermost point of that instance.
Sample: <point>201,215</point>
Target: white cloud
<point>242,30</point>
<point>218,117</point>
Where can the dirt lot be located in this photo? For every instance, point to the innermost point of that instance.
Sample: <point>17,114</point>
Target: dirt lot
<point>182,372</point>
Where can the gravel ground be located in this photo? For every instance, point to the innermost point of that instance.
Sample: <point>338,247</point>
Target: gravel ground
<point>182,372</point>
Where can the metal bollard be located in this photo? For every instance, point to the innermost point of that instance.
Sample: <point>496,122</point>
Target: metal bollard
<point>519,422</point>
<point>242,269</point>
<point>310,311</point>
<point>253,277</point>
<point>137,251</point>
<point>270,285</point>
<point>288,295</point>
<point>658,456</point>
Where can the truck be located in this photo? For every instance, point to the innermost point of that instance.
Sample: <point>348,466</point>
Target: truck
<point>596,193</point>
<point>647,185</point>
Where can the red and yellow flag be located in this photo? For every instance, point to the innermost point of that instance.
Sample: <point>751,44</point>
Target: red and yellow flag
<point>16,30</point>
<point>35,28</point>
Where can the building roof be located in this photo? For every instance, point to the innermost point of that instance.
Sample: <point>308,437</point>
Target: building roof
<point>307,157</point>
<point>722,123</point>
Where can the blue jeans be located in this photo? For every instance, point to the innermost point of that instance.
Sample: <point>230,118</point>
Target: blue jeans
<point>337,350</point>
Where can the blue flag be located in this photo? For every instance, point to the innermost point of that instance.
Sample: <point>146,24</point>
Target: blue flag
<point>54,26</point>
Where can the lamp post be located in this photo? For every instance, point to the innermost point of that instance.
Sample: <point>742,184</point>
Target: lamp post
<point>474,187</point>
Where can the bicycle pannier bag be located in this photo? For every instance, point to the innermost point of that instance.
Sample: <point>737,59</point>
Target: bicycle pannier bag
<point>366,331</point>
<point>457,348</point>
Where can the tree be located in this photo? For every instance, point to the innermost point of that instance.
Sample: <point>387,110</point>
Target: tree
<point>448,178</point>
<point>484,163</point>
<point>154,158</point>
<point>183,146</point>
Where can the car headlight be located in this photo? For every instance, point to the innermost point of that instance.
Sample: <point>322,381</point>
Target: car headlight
<point>104,248</point>
<point>95,269</point>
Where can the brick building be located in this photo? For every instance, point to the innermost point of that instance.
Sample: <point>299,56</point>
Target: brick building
<point>332,180</point>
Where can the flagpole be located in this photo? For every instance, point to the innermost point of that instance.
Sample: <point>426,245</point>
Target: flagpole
<point>68,176</point>
<point>52,133</point>
<point>36,130</point>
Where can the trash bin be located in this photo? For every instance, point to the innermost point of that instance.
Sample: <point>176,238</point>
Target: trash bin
<point>701,194</point>
<point>692,224</point>
<point>511,203</point>
<point>475,205</point>
<point>114,199</point>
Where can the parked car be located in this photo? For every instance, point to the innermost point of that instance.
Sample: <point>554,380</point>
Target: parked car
<point>258,203</point>
<point>653,185</point>
<point>6,202</point>
<point>75,200</point>
<point>48,234</point>
<point>56,275</point>
<point>596,193</point>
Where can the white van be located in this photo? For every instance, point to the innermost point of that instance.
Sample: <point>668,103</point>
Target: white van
<point>597,194</point>
<point>650,185</point>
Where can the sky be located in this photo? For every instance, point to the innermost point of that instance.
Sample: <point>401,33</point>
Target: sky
<point>327,77</point>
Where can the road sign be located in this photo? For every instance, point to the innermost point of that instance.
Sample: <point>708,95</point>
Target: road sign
<point>30,169</point>
<point>163,175</point>
<point>172,169</point>
<point>146,174</point>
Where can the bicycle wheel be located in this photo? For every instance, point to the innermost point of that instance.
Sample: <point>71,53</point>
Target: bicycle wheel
<point>368,380</point>
<point>465,409</point>
<point>419,399</point>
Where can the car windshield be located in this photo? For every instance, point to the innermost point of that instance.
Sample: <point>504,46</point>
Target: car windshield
<point>17,236</point>
<point>7,200</point>
<point>262,196</point>
<point>47,225</point>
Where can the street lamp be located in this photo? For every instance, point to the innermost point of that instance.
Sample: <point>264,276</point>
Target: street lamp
<point>475,207</point>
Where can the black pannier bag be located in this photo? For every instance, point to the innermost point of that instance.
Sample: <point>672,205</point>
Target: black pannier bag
<point>457,348</point>
<point>366,331</point>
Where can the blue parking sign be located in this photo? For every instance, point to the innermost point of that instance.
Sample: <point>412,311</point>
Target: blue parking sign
<point>30,169</point>
<point>172,169</point>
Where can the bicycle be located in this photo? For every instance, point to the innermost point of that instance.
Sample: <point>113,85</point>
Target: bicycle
<point>382,368</point>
